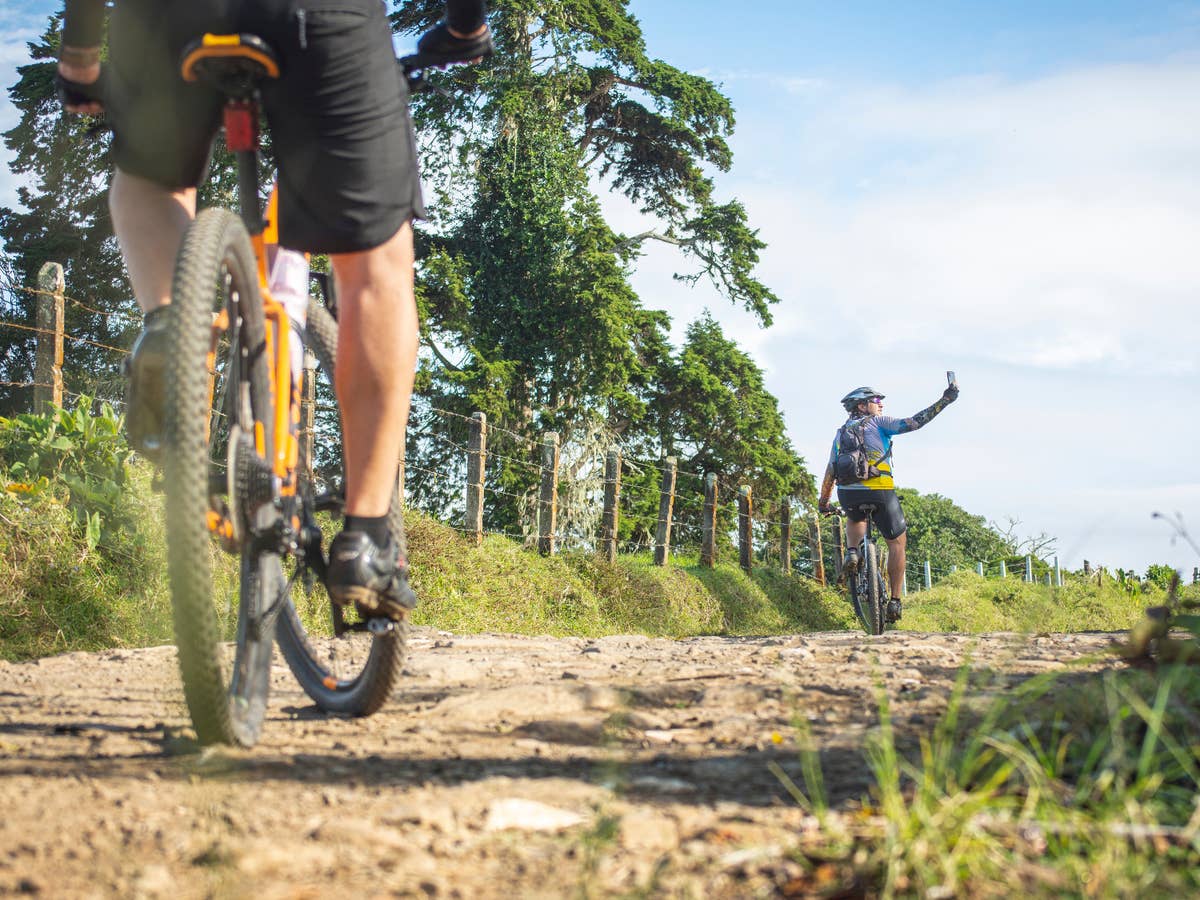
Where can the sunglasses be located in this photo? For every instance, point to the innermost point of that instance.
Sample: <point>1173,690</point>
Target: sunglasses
<point>874,399</point>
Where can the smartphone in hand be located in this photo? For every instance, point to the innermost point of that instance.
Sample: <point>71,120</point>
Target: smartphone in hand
<point>951,380</point>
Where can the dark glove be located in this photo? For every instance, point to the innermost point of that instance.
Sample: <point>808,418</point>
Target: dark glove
<point>76,93</point>
<point>824,508</point>
<point>438,47</point>
<point>950,394</point>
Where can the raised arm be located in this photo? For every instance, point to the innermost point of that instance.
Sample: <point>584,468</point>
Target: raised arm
<point>925,416</point>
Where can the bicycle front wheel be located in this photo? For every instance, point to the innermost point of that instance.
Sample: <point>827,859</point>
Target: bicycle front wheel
<point>217,388</point>
<point>353,668</point>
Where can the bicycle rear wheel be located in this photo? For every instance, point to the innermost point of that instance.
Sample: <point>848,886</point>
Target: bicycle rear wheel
<point>354,671</point>
<point>217,388</point>
<point>873,605</point>
<point>865,594</point>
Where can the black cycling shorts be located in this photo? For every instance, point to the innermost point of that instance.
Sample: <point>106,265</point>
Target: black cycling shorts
<point>888,516</point>
<point>338,113</point>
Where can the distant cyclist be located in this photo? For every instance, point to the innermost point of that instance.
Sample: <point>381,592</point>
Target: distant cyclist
<point>348,187</point>
<point>861,467</point>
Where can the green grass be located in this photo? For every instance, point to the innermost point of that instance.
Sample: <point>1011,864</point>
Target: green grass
<point>1072,786</point>
<point>966,602</point>
<point>502,587</point>
<point>60,596</point>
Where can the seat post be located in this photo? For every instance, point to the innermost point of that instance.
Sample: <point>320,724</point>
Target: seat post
<point>251,210</point>
<point>241,136</point>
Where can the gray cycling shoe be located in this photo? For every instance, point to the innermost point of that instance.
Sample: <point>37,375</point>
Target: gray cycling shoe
<point>145,398</point>
<point>373,578</point>
<point>849,564</point>
<point>894,609</point>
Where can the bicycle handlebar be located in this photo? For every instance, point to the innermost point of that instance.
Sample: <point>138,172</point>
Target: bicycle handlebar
<point>415,65</point>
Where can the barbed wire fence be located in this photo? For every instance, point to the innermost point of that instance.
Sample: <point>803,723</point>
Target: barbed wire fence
<point>568,495</point>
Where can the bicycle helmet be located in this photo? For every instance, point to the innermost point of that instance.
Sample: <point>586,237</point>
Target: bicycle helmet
<point>859,395</point>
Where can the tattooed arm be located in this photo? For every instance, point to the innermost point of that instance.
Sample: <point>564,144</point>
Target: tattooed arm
<point>828,481</point>
<point>826,488</point>
<point>925,416</point>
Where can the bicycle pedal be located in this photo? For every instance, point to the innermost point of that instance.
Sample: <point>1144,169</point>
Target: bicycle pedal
<point>330,501</point>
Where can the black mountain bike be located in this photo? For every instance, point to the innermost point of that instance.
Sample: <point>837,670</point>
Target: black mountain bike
<point>868,592</point>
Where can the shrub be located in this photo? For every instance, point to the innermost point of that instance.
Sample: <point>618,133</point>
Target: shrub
<point>73,450</point>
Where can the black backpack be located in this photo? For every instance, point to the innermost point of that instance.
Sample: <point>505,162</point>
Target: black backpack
<point>851,465</point>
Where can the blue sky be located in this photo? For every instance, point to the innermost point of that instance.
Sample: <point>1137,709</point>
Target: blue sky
<point>1010,190</point>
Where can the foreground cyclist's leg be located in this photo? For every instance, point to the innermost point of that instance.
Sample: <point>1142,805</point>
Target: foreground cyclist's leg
<point>149,221</point>
<point>377,340</point>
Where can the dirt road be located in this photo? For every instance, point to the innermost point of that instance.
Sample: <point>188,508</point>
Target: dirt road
<point>505,767</point>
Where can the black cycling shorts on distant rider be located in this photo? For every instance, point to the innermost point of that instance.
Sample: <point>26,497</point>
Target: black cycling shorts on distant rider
<point>338,113</point>
<point>889,517</point>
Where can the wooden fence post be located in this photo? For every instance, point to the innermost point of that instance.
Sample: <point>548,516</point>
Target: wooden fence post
<point>476,464</point>
<point>745,528</point>
<point>815,551</point>
<point>548,496</point>
<point>708,523</point>
<point>308,406</point>
<point>612,505</point>
<point>839,541</point>
<point>47,369</point>
<point>666,508</point>
<point>785,536</point>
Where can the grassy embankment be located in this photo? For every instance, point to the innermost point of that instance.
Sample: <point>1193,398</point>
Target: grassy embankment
<point>60,595</point>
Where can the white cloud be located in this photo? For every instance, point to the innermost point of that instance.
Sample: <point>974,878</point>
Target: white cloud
<point>1048,223</point>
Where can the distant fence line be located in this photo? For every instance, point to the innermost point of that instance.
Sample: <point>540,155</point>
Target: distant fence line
<point>793,543</point>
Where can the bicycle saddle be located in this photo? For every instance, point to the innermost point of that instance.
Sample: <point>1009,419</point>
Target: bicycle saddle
<point>232,63</point>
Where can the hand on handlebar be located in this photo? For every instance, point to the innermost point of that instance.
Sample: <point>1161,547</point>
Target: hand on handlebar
<point>82,97</point>
<point>826,508</point>
<point>440,47</point>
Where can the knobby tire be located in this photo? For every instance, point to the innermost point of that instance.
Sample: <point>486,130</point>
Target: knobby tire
<point>216,270</point>
<point>364,690</point>
<point>874,596</point>
<point>865,593</point>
